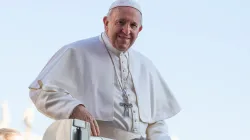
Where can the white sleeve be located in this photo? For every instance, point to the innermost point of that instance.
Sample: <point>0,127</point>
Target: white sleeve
<point>55,104</point>
<point>158,131</point>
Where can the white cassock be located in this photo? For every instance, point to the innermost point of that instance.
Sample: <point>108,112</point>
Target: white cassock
<point>93,73</point>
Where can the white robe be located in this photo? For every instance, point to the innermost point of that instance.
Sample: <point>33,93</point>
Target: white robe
<point>83,72</point>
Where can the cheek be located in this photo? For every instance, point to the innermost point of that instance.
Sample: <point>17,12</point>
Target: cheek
<point>134,36</point>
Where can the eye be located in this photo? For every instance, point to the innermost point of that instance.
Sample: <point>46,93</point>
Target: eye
<point>121,22</point>
<point>134,25</point>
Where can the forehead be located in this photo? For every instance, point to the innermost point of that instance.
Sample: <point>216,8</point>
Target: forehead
<point>127,13</point>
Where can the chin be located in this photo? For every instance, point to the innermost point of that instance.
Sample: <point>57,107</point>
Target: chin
<point>123,47</point>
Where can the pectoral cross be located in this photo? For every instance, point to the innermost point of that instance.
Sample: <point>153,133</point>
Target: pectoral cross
<point>126,108</point>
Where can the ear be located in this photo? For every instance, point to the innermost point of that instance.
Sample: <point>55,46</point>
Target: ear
<point>105,22</point>
<point>140,28</point>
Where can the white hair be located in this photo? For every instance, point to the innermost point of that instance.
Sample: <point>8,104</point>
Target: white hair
<point>111,10</point>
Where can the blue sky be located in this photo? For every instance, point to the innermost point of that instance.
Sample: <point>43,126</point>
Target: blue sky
<point>202,49</point>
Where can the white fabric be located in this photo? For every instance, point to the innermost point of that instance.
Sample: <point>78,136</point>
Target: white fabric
<point>58,130</point>
<point>120,126</point>
<point>48,101</point>
<point>158,131</point>
<point>99,138</point>
<point>63,130</point>
<point>108,131</point>
<point>54,104</point>
<point>127,3</point>
<point>84,70</point>
<point>133,122</point>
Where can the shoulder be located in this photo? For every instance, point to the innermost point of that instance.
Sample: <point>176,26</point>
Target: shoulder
<point>84,43</point>
<point>80,46</point>
<point>77,48</point>
<point>144,60</point>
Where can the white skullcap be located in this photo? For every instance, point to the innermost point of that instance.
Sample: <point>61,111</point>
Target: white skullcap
<point>128,3</point>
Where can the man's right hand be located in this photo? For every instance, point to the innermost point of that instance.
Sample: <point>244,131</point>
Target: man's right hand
<point>81,113</point>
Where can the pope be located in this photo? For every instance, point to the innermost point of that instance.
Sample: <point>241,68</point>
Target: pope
<point>103,81</point>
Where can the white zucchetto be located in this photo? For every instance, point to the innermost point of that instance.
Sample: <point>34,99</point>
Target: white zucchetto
<point>128,3</point>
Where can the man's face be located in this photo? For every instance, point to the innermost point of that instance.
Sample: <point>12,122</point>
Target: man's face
<point>123,26</point>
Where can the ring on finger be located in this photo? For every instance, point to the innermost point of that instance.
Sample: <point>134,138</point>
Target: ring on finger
<point>95,122</point>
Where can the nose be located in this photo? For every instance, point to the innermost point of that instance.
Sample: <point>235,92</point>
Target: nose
<point>126,29</point>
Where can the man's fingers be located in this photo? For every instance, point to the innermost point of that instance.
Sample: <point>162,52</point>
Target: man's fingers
<point>84,115</point>
<point>96,127</point>
<point>93,130</point>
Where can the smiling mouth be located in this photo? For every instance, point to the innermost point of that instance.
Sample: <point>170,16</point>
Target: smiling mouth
<point>123,37</point>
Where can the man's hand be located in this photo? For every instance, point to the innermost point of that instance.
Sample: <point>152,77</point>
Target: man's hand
<point>81,113</point>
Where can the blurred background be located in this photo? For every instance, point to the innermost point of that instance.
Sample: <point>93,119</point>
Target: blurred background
<point>202,49</point>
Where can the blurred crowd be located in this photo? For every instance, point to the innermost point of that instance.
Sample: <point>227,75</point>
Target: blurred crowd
<point>9,133</point>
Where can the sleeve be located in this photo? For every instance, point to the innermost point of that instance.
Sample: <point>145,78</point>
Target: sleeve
<point>158,131</point>
<point>53,102</point>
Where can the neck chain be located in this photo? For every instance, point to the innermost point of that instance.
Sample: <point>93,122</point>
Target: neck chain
<point>123,88</point>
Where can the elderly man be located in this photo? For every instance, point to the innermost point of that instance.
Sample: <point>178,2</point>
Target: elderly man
<point>103,81</point>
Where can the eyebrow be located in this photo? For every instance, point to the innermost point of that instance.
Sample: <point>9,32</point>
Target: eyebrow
<point>123,19</point>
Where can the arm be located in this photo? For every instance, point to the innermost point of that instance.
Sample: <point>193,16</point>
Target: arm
<point>158,131</point>
<point>56,103</point>
<point>53,103</point>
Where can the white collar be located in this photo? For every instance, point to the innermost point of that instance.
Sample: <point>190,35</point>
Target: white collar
<point>110,46</point>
